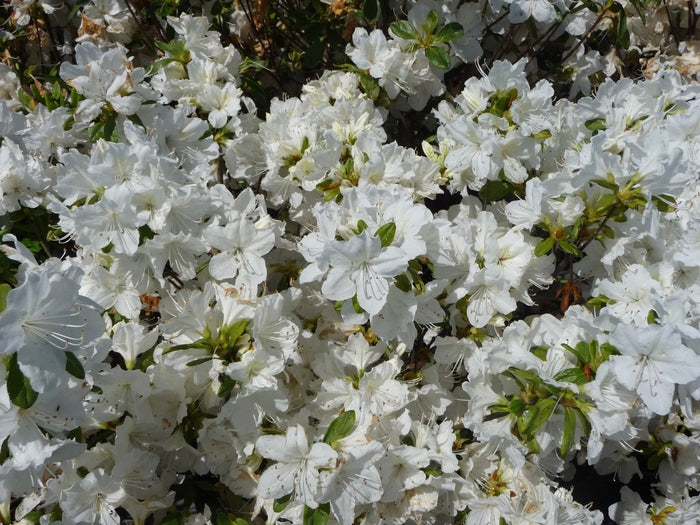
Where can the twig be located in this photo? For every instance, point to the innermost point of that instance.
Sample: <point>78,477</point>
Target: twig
<point>152,18</point>
<point>585,36</point>
<point>600,228</point>
<point>504,41</point>
<point>672,29</point>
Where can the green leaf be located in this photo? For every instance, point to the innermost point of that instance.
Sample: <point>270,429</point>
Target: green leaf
<point>664,203</point>
<point>163,46</point>
<point>596,124</point>
<point>418,283</point>
<point>537,416</point>
<point>544,247</point>
<point>196,362</point>
<point>95,132</point>
<point>304,144</point>
<point>436,473</point>
<point>26,99</point>
<point>76,435</point>
<point>517,406</point>
<point>402,282</point>
<point>431,22</point>
<point>68,124</point>
<point>4,451</point>
<point>576,228</point>
<point>499,409</point>
<point>572,375</point>
<point>235,330</point>
<point>582,351</point>
<point>201,344</point>
<point>226,387</point>
<point>533,445</point>
<point>654,461</point>
<point>608,184</point>
<point>339,428</point>
<point>361,226</point>
<point>145,359</point>
<point>74,11</point>
<point>495,190</point>
<point>370,10</point>
<point>568,247</point>
<point>35,91</point>
<point>606,350</point>
<point>451,31</point>
<point>73,366</point>
<point>527,375</point>
<point>412,47</point>
<point>544,134</point>
<point>56,514</point>
<point>594,351</point>
<point>56,91</point>
<point>356,305</point>
<point>623,34</point>
<point>438,57</point>
<point>386,233</point>
<point>160,63</point>
<point>540,351</point>
<point>501,101</point>
<point>317,516</point>
<point>569,431</point>
<point>583,419</point>
<point>281,503</point>
<point>33,245</point>
<point>599,301</point>
<point>18,387</point>
<point>404,29</point>
<point>606,202</point>
<point>415,265</point>
<point>370,85</point>
<point>75,97</point>
<point>4,290</point>
<point>176,48</point>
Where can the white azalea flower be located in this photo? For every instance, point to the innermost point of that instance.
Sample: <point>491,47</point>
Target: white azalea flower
<point>653,361</point>
<point>362,267</point>
<point>356,482</point>
<point>93,500</point>
<point>297,468</point>
<point>45,317</point>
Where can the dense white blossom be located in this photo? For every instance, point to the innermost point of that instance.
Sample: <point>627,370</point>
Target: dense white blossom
<point>274,307</point>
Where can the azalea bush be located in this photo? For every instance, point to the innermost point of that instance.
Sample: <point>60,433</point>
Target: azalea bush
<point>349,262</point>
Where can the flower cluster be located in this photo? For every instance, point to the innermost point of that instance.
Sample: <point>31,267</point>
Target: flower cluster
<point>216,311</point>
